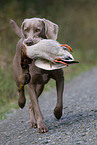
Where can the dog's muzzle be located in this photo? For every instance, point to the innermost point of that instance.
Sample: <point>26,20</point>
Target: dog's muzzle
<point>29,42</point>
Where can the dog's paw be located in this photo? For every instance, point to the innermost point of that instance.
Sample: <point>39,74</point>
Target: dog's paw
<point>33,124</point>
<point>58,112</point>
<point>42,128</point>
<point>21,102</point>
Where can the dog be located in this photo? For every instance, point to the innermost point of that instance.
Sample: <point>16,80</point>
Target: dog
<point>25,72</point>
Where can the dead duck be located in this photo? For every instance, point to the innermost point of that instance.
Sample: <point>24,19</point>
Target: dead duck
<point>49,54</point>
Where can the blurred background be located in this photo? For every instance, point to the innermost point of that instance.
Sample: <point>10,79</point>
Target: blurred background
<point>77,20</point>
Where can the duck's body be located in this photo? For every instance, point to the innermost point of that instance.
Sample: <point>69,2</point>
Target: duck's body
<point>49,55</point>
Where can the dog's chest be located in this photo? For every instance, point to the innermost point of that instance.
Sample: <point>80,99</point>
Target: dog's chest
<point>38,76</point>
<point>43,78</point>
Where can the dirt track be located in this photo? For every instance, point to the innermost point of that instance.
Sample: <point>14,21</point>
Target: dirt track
<point>78,125</point>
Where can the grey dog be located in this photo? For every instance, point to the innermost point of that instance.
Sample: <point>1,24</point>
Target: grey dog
<point>25,72</point>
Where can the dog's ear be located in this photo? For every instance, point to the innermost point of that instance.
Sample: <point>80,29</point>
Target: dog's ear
<point>51,29</point>
<point>23,26</point>
<point>15,28</point>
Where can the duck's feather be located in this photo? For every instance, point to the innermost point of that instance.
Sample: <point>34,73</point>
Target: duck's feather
<point>47,65</point>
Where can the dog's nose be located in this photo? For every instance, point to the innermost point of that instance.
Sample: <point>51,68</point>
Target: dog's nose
<point>29,42</point>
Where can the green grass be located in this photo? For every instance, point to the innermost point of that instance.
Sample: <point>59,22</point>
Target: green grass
<point>77,22</point>
<point>7,93</point>
<point>7,108</point>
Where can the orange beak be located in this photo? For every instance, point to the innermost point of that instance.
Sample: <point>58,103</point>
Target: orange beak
<point>67,46</point>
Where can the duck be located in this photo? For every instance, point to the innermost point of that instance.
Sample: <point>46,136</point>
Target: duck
<point>49,54</point>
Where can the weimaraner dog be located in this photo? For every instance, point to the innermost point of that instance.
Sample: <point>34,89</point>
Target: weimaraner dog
<point>25,72</point>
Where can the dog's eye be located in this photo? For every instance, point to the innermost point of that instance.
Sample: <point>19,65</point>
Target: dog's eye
<point>27,29</point>
<point>37,30</point>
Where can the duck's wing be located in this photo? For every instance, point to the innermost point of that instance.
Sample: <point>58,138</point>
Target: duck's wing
<point>58,64</point>
<point>47,65</point>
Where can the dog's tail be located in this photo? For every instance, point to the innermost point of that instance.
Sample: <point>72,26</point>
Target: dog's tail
<point>15,28</point>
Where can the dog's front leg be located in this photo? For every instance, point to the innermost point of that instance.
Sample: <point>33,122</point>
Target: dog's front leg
<point>33,123</point>
<point>22,99</point>
<point>35,108</point>
<point>60,87</point>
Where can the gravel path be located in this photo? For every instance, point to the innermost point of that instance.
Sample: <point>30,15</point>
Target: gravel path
<point>78,125</point>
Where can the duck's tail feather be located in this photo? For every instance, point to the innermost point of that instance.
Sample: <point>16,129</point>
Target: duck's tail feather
<point>70,62</point>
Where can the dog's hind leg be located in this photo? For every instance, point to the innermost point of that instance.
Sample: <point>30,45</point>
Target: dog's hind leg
<point>39,89</point>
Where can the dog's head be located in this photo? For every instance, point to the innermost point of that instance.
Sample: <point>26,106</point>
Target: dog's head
<point>35,29</point>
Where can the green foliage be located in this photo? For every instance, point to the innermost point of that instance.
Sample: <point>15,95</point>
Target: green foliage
<point>77,22</point>
<point>7,86</point>
<point>7,92</point>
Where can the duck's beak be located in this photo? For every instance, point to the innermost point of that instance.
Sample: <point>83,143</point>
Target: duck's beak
<point>66,47</point>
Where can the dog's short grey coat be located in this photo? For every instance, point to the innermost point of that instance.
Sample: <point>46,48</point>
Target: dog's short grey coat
<point>25,72</point>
